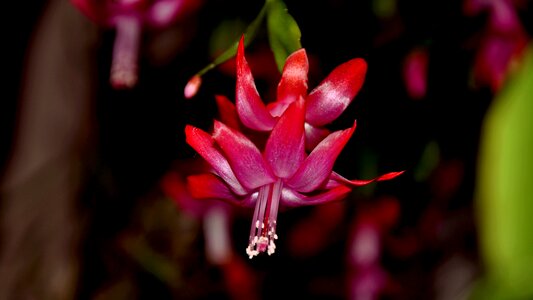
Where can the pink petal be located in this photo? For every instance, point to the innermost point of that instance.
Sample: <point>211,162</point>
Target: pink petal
<point>250,107</point>
<point>327,101</point>
<point>243,156</point>
<point>291,198</point>
<point>503,17</point>
<point>165,12</point>
<point>227,112</point>
<point>313,136</point>
<point>317,167</point>
<point>203,144</point>
<point>338,178</point>
<point>293,83</point>
<point>285,148</point>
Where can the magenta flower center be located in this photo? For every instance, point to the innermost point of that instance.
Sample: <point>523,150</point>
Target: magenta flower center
<point>263,229</point>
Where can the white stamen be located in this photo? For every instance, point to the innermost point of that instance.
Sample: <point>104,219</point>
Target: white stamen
<point>265,213</point>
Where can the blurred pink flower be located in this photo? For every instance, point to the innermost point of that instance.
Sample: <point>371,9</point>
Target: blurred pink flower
<point>282,174</point>
<point>415,72</point>
<point>215,217</point>
<point>366,277</point>
<point>503,41</point>
<point>129,17</point>
<point>316,231</point>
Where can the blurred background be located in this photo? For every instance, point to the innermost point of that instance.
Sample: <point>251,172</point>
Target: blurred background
<point>93,204</point>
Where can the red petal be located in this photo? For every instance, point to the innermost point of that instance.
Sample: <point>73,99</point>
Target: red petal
<point>313,136</point>
<point>293,83</point>
<point>327,101</point>
<point>209,186</point>
<point>202,142</point>
<point>285,148</point>
<point>318,165</point>
<point>338,178</point>
<point>291,198</point>
<point>227,112</point>
<point>243,156</point>
<point>251,109</point>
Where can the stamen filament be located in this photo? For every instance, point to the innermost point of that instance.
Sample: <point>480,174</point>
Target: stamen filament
<point>263,229</point>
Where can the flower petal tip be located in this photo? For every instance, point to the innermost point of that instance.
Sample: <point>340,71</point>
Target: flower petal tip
<point>189,129</point>
<point>390,175</point>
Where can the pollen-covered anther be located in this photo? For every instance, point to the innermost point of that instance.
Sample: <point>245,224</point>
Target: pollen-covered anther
<point>263,231</point>
<point>260,244</point>
<point>271,247</point>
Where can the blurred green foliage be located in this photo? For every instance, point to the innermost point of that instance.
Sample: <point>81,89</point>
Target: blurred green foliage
<point>505,190</point>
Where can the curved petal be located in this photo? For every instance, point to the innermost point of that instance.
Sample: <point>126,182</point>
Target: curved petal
<point>291,198</point>
<point>293,82</point>
<point>285,148</point>
<point>335,177</point>
<point>250,107</point>
<point>317,167</point>
<point>313,136</point>
<point>227,112</point>
<point>243,156</point>
<point>202,142</point>
<point>327,101</point>
<point>209,186</point>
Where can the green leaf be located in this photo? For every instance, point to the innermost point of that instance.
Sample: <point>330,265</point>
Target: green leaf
<point>283,32</point>
<point>249,35</point>
<point>504,195</point>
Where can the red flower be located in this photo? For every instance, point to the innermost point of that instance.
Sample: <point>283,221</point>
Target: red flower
<point>283,174</point>
<point>323,104</point>
<point>129,17</point>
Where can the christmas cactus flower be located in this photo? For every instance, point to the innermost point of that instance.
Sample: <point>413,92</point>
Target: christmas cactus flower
<point>324,103</point>
<point>282,174</point>
<point>129,17</point>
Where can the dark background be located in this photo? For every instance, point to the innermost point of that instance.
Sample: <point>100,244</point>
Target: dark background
<point>136,137</point>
